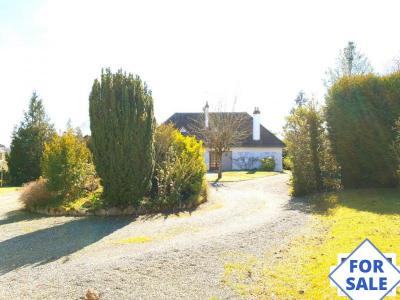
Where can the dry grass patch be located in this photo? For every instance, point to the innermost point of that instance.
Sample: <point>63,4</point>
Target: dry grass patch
<point>35,193</point>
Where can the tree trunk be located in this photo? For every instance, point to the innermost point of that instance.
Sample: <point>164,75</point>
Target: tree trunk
<point>219,166</point>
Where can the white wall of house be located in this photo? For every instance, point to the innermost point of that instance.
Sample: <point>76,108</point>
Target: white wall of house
<point>207,158</point>
<point>249,157</point>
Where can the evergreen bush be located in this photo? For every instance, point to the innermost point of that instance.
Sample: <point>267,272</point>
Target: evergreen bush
<point>122,125</point>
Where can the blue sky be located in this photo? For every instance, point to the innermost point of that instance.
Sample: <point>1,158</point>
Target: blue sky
<point>260,52</point>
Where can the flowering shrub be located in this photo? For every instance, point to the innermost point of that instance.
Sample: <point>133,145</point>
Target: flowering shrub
<point>179,171</point>
<point>67,165</point>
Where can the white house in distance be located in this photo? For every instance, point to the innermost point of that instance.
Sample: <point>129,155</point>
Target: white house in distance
<point>259,144</point>
<point>3,162</point>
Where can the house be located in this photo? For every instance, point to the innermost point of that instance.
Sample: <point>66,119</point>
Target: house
<point>259,144</point>
<point>3,151</point>
<point>3,162</point>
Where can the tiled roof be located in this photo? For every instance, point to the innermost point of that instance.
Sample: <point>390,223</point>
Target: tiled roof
<point>189,120</point>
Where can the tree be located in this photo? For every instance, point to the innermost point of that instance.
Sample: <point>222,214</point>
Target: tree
<point>301,99</point>
<point>223,131</point>
<point>396,64</point>
<point>28,142</point>
<point>308,149</point>
<point>349,62</point>
<point>122,126</point>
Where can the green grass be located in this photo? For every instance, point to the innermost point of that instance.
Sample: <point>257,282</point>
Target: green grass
<point>232,176</point>
<point>5,190</point>
<point>135,240</point>
<point>340,222</point>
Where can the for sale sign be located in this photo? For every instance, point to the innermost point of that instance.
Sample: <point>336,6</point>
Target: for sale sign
<point>366,273</point>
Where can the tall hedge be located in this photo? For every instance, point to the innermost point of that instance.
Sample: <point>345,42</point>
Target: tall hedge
<point>122,125</point>
<point>361,113</point>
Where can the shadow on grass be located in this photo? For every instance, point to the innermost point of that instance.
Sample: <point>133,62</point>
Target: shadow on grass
<point>379,201</point>
<point>47,245</point>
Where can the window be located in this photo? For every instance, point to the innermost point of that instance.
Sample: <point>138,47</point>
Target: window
<point>214,161</point>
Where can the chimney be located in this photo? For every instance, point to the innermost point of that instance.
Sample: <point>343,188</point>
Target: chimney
<point>256,124</point>
<point>205,109</point>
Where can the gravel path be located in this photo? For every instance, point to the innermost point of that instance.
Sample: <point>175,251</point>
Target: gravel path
<point>160,257</point>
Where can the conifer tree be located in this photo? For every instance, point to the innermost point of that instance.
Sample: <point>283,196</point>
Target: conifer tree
<point>28,142</point>
<point>122,125</point>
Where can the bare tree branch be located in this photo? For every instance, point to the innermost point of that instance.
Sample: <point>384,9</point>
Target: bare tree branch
<point>224,131</point>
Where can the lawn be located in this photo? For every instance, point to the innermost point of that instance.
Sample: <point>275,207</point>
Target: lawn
<point>232,176</point>
<point>5,190</point>
<point>341,221</point>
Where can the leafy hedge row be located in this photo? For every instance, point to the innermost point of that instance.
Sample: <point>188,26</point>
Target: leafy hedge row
<point>352,142</point>
<point>361,112</point>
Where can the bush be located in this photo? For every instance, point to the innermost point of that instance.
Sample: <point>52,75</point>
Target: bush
<point>361,112</point>
<point>313,166</point>
<point>268,164</point>
<point>287,163</point>
<point>122,126</point>
<point>35,193</point>
<point>180,169</point>
<point>67,166</point>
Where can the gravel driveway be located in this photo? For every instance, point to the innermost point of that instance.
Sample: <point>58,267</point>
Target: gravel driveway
<point>159,257</point>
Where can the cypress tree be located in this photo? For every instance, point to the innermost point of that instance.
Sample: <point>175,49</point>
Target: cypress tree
<point>122,126</point>
<point>27,143</point>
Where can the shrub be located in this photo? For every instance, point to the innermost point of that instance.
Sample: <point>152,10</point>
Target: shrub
<point>35,193</point>
<point>179,174</point>
<point>67,166</point>
<point>287,163</point>
<point>361,112</point>
<point>313,166</point>
<point>122,126</point>
<point>268,163</point>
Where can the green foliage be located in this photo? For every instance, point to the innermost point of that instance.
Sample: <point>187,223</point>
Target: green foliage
<point>122,125</point>
<point>361,112</point>
<point>313,167</point>
<point>287,163</point>
<point>67,166</point>
<point>28,142</point>
<point>268,164</point>
<point>180,169</point>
